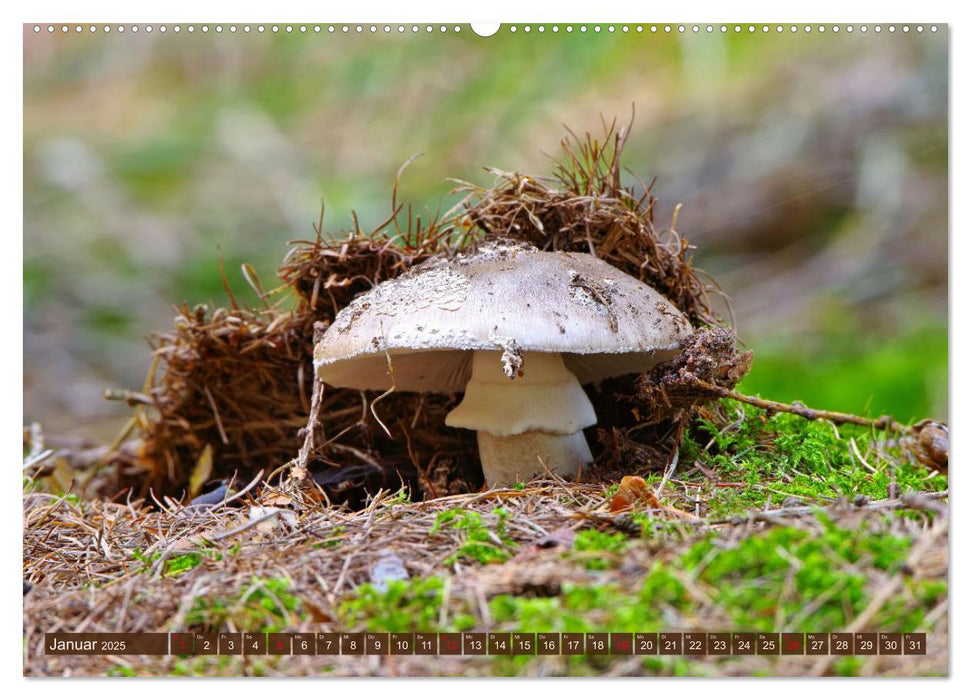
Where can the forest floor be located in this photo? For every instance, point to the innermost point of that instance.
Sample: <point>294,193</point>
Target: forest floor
<point>775,524</point>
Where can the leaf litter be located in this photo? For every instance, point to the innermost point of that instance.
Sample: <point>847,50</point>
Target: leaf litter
<point>231,397</point>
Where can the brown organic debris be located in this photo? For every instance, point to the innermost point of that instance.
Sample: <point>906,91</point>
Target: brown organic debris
<point>237,383</point>
<point>633,492</point>
<point>240,381</point>
<point>929,442</point>
<point>709,365</point>
<point>109,567</point>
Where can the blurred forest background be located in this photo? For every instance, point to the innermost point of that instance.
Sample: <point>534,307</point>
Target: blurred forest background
<point>811,169</point>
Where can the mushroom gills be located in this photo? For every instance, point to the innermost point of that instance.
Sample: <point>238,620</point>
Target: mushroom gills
<point>525,421</point>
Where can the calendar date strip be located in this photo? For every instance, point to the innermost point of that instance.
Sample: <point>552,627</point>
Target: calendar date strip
<point>489,644</point>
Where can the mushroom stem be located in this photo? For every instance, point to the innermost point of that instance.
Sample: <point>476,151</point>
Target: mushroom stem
<point>510,459</point>
<point>532,418</point>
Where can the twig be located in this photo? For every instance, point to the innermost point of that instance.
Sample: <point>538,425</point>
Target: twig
<point>674,457</point>
<point>300,470</point>
<point>242,492</point>
<point>132,398</point>
<point>881,423</point>
<point>215,413</point>
<point>244,527</point>
<point>384,395</point>
<point>37,458</point>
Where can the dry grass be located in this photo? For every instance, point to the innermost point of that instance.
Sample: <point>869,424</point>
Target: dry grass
<point>108,567</point>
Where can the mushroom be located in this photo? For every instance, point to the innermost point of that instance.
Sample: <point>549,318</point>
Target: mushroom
<point>519,331</point>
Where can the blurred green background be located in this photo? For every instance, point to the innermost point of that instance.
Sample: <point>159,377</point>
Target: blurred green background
<point>811,169</point>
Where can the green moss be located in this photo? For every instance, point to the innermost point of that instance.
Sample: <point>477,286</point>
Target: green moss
<point>335,539</point>
<point>847,666</point>
<point>815,575</point>
<point>595,541</point>
<point>407,606</point>
<point>263,605</point>
<point>121,672</point>
<point>596,608</point>
<point>786,573</point>
<point>480,543</point>
<point>785,455</point>
<point>794,576</point>
<point>182,563</point>
<point>178,564</point>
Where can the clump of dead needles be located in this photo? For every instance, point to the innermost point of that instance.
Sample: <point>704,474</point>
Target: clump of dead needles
<point>584,208</point>
<point>236,385</point>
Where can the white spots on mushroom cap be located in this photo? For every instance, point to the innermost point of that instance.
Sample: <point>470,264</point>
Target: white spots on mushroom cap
<point>427,338</point>
<point>439,286</point>
<point>508,296</point>
<point>495,250</point>
<point>594,294</point>
<point>582,296</point>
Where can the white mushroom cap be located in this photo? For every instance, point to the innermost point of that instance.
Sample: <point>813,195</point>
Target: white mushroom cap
<point>509,297</point>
